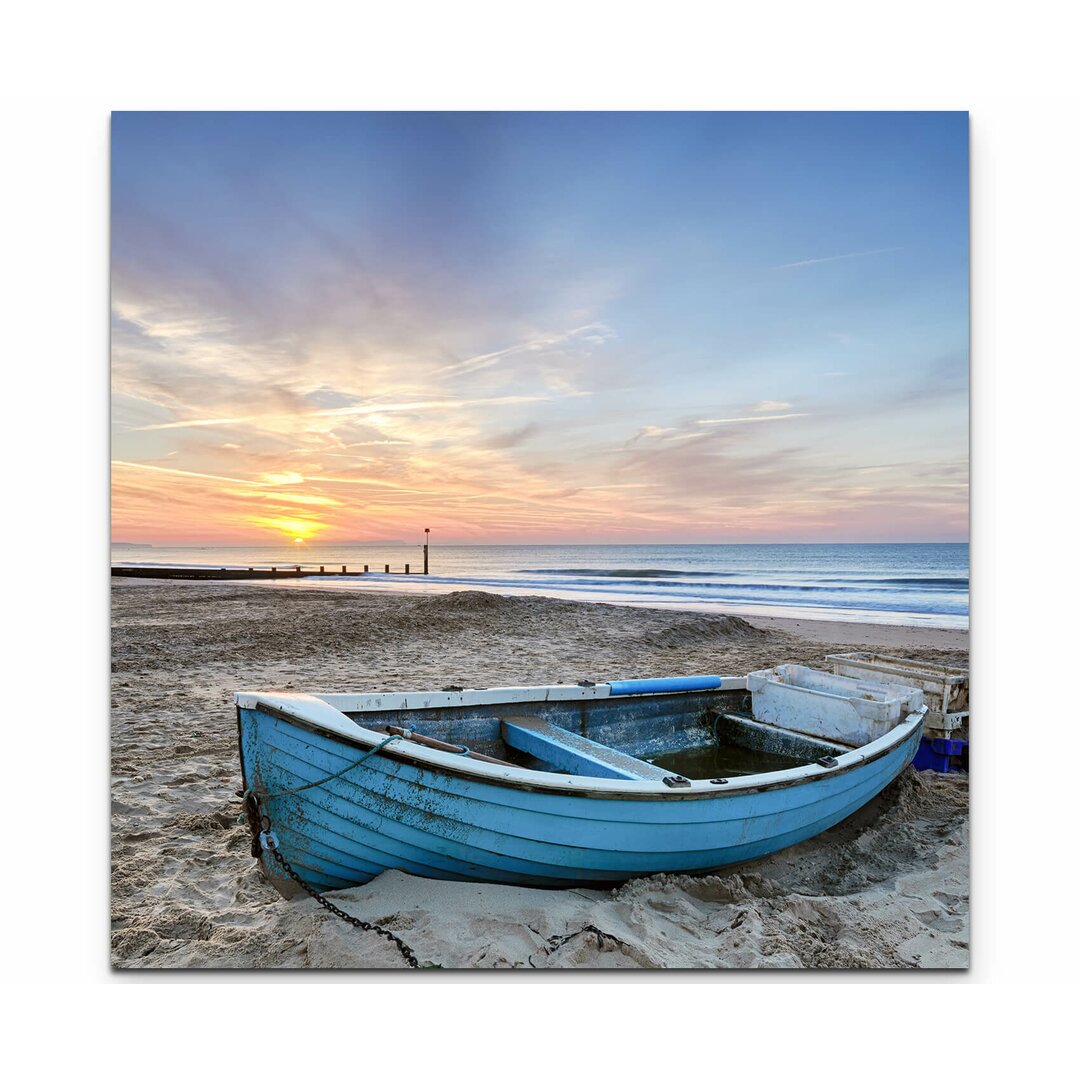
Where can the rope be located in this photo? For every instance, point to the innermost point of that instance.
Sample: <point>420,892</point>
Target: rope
<point>325,779</point>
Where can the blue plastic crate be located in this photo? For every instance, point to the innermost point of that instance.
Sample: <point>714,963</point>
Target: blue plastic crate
<point>942,755</point>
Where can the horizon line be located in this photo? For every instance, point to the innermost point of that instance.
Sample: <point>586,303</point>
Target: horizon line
<point>574,543</point>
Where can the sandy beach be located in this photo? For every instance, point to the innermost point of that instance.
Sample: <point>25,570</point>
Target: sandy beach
<point>887,888</point>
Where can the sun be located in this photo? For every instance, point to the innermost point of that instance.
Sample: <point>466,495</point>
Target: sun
<point>298,530</point>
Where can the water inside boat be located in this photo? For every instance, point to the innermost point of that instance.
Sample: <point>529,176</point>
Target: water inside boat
<point>719,760</point>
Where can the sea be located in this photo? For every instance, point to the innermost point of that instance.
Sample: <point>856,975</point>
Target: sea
<point>897,584</point>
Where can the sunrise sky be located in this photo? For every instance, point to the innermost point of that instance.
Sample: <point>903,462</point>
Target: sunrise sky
<point>539,327</point>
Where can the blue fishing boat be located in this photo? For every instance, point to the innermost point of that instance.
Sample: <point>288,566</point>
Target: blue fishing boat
<point>557,786</point>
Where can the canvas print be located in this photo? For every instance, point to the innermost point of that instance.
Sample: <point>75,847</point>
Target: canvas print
<point>540,540</point>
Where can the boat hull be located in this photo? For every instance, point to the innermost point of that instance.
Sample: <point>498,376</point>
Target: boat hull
<point>392,812</point>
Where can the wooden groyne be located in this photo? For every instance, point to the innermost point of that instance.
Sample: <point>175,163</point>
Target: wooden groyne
<point>251,573</point>
<point>223,573</point>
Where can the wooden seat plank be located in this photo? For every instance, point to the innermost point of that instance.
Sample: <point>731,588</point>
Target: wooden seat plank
<point>568,752</point>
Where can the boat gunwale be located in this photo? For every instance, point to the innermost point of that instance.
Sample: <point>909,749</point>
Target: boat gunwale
<point>534,780</point>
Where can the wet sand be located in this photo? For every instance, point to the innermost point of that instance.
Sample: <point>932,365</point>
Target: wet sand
<point>888,888</point>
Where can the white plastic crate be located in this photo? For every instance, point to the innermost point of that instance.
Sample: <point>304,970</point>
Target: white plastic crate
<point>850,711</point>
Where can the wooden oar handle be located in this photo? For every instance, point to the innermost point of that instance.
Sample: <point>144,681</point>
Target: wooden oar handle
<point>438,744</point>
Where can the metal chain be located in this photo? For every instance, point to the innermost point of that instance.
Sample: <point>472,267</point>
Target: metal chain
<point>406,952</point>
<point>261,826</point>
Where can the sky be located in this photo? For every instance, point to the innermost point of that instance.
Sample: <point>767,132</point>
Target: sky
<point>539,327</point>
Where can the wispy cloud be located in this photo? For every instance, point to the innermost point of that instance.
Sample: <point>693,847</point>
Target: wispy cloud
<point>752,419</point>
<point>650,431</point>
<point>507,439</point>
<point>184,472</point>
<point>590,334</point>
<point>300,419</point>
<point>836,258</point>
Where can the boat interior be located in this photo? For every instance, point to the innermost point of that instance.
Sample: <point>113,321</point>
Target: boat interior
<point>697,736</point>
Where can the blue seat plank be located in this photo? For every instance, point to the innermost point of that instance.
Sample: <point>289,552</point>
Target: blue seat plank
<point>567,752</point>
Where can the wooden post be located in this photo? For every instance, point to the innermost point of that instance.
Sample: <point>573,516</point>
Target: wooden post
<point>322,569</point>
<point>273,569</point>
<point>427,537</point>
<point>388,568</point>
<point>343,569</point>
<point>298,569</point>
<point>406,568</point>
<point>365,568</point>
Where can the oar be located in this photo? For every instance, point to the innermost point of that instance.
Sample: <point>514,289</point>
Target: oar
<point>438,744</point>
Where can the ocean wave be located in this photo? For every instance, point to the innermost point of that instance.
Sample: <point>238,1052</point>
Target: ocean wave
<point>756,594</point>
<point>625,573</point>
<point>649,573</point>
<point>952,582</point>
<point>692,578</point>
